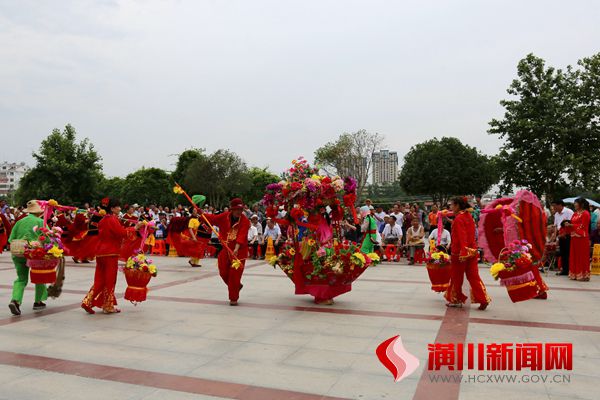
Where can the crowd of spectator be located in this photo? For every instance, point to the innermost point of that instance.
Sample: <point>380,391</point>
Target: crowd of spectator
<point>408,227</point>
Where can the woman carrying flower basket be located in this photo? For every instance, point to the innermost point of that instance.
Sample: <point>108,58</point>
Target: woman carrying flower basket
<point>25,230</point>
<point>464,259</point>
<point>111,235</point>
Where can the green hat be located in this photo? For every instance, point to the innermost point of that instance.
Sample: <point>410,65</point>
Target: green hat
<point>198,199</point>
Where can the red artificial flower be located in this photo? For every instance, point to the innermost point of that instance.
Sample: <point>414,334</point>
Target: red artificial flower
<point>523,262</point>
<point>349,199</point>
<point>296,213</point>
<point>296,186</point>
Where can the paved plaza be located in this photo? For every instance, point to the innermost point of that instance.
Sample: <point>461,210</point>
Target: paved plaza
<point>186,342</point>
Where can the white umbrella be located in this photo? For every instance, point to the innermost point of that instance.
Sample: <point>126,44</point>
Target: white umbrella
<point>572,200</point>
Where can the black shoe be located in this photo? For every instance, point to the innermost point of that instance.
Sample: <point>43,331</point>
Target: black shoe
<point>241,286</point>
<point>562,273</point>
<point>14,308</point>
<point>39,305</point>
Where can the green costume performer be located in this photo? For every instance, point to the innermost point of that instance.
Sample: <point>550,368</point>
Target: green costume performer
<point>23,230</point>
<point>368,245</point>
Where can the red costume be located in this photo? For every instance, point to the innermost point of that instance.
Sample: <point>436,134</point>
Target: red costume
<point>497,228</point>
<point>232,232</point>
<point>464,261</point>
<point>579,259</point>
<point>85,242</point>
<point>5,228</point>
<point>179,235</point>
<point>110,238</point>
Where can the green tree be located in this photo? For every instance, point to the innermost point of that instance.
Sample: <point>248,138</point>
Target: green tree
<point>385,194</point>
<point>260,178</point>
<point>110,187</point>
<point>350,155</point>
<point>219,176</point>
<point>550,128</point>
<point>446,167</point>
<point>66,169</point>
<point>184,160</point>
<point>148,186</point>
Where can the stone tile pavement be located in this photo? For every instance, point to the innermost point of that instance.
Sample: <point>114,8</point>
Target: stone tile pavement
<point>186,342</point>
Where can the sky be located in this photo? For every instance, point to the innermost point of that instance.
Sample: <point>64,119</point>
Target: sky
<point>269,80</point>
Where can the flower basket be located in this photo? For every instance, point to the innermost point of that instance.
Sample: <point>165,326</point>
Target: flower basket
<point>514,269</point>
<point>439,276</point>
<point>520,284</point>
<point>42,270</point>
<point>137,285</point>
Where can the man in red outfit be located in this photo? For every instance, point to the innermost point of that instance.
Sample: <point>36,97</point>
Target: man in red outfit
<point>464,259</point>
<point>233,230</point>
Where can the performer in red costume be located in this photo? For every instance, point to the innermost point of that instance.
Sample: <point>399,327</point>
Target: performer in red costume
<point>110,238</point>
<point>5,228</point>
<point>579,260</point>
<point>233,230</point>
<point>464,259</point>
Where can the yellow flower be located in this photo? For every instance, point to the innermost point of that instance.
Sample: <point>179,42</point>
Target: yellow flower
<point>236,264</point>
<point>55,251</point>
<point>496,268</point>
<point>435,256</point>
<point>292,251</point>
<point>52,203</point>
<point>102,213</point>
<point>374,257</point>
<point>177,189</point>
<point>359,259</point>
<point>311,242</point>
<point>152,269</point>
<point>273,260</point>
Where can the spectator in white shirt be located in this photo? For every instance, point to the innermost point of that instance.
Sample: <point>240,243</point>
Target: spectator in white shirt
<point>561,213</point>
<point>379,218</point>
<point>253,239</point>
<point>398,214</point>
<point>392,234</point>
<point>254,223</point>
<point>444,240</point>
<point>273,231</point>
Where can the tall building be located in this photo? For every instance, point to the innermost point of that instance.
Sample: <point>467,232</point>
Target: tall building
<point>355,167</point>
<point>10,175</point>
<point>385,167</point>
